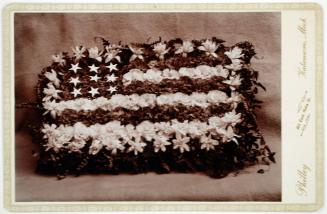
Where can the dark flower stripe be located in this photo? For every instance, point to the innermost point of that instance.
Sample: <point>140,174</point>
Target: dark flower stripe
<point>157,114</point>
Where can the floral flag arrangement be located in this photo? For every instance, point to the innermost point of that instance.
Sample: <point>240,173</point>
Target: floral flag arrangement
<point>167,106</point>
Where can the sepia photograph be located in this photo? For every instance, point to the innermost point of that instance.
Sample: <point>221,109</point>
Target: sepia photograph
<point>147,106</point>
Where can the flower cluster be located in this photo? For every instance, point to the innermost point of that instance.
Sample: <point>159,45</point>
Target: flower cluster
<point>156,76</point>
<point>135,101</point>
<point>235,55</point>
<point>116,137</point>
<point>160,49</point>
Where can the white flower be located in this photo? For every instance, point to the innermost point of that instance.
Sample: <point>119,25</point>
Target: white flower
<point>204,71</point>
<point>231,118</point>
<point>132,102</point>
<point>209,47</point>
<point>79,52</point>
<point>100,102</point>
<point>94,131</point>
<point>76,145</point>
<point>51,92</point>
<point>153,75</point>
<point>197,129</point>
<point>234,53</point>
<point>180,128</point>
<point>81,132</point>
<point>147,100</point>
<point>95,53</point>
<point>65,134</point>
<point>180,98</point>
<point>160,143</point>
<point>181,143</point>
<point>233,82</point>
<point>133,75</point>
<point>136,146</point>
<point>221,71</point>
<point>208,143</point>
<point>52,76</point>
<point>95,147</point>
<point>147,130</point>
<point>170,74</point>
<point>216,122</point>
<point>59,58</point>
<point>217,97</point>
<point>111,54</point>
<point>199,99</point>
<point>114,127</point>
<point>48,130</point>
<point>235,98</point>
<point>185,48</point>
<point>113,144</point>
<point>228,135</point>
<point>137,53</point>
<point>160,49</point>
<point>164,128</point>
<point>235,66</point>
<point>188,72</point>
<point>54,144</point>
<point>50,107</point>
<point>130,133</point>
<point>117,100</point>
<point>163,99</point>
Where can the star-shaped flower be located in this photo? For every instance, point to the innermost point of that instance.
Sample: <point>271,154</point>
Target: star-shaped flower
<point>112,67</point>
<point>137,53</point>
<point>181,143</point>
<point>78,52</point>
<point>76,92</point>
<point>228,135</point>
<point>50,107</point>
<point>75,81</point>
<point>51,92</point>
<point>48,130</point>
<point>59,58</point>
<point>209,47</point>
<point>75,67</point>
<point>160,143</point>
<point>111,78</point>
<point>95,78</point>
<point>208,143</point>
<point>136,146</point>
<point>112,52</point>
<point>235,66</point>
<point>113,143</point>
<point>95,53</point>
<point>93,91</point>
<point>52,76</point>
<point>231,118</point>
<point>235,98</point>
<point>233,82</point>
<point>235,53</point>
<point>94,68</point>
<point>112,89</point>
<point>95,147</point>
<point>160,49</point>
<point>185,48</point>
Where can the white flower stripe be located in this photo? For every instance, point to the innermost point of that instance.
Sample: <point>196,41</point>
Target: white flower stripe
<point>135,101</point>
<point>113,136</point>
<point>156,76</point>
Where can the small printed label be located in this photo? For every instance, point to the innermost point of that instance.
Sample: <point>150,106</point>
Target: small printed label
<point>303,113</point>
